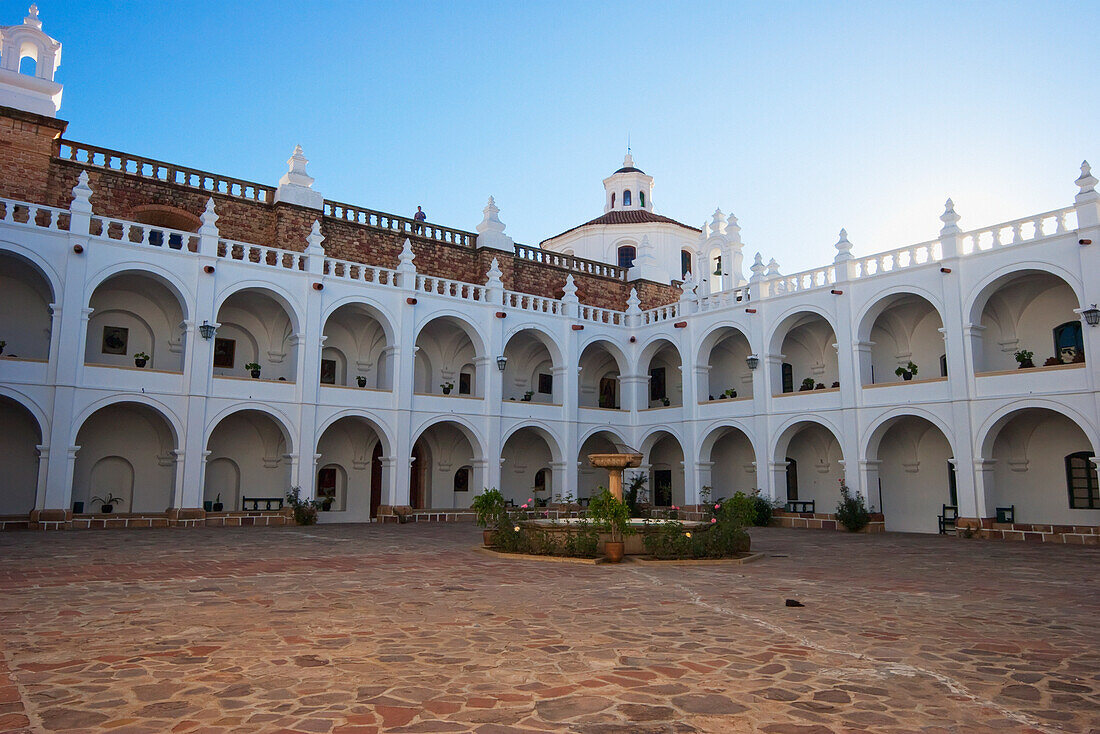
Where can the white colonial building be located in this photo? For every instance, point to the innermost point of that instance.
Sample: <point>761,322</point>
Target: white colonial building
<point>130,322</point>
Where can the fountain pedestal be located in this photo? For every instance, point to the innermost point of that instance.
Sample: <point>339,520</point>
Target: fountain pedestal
<point>615,463</point>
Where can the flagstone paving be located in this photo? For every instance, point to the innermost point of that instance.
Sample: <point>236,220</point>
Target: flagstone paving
<point>406,628</point>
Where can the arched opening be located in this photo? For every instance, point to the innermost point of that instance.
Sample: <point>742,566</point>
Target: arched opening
<point>28,65</point>
<point>626,255</point>
<point>663,367</point>
<point>135,318</point>
<point>914,473</point>
<point>733,462</point>
<point>1022,313</point>
<point>599,377</point>
<point>725,352</point>
<point>901,329</point>
<point>255,445</point>
<point>806,341</point>
<point>591,478</point>
<point>529,372</point>
<point>665,460</point>
<point>169,217</point>
<point>441,450</point>
<point>1042,467</point>
<point>612,199</point>
<point>446,354</point>
<point>126,460</point>
<point>525,467</point>
<point>685,262</point>
<point>713,276</point>
<point>813,452</point>
<point>626,198</point>
<point>641,199</point>
<point>255,328</point>
<point>358,349</point>
<point>20,436</point>
<point>351,449</point>
<point>25,319</point>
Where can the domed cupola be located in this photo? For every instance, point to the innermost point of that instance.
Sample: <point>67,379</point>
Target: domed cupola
<point>628,188</point>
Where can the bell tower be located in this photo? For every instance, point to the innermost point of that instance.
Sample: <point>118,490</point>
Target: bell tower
<point>29,85</point>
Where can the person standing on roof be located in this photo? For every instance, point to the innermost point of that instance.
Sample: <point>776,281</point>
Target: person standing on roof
<point>420,216</point>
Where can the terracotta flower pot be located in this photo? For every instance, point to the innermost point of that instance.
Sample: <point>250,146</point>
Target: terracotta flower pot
<point>487,538</point>
<point>613,551</point>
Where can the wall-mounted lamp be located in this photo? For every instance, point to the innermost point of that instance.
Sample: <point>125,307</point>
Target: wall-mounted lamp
<point>207,330</point>
<point>502,362</point>
<point>1092,315</point>
<point>752,361</point>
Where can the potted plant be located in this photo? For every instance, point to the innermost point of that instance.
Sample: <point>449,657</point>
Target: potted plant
<point>836,383</point>
<point>489,512</point>
<point>729,393</point>
<point>216,505</point>
<point>1052,361</point>
<point>1024,358</point>
<point>361,380</point>
<point>1078,358</point>
<point>528,395</point>
<point>906,373</point>
<point>305,511</point>
<point>141,359</point>
<point>253,369</point>
<point>326,503</point>
<point>819,386</point>
<point>807,384</point>
<point>611,516</point>
<point>666,402</point>
<point>2,345</point>
<point>108,502</point>
<point>447,387</point>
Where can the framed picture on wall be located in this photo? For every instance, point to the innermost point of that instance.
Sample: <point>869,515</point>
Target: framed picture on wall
<point>328,371</point>
<point>224,350</point>
<point>115,339</point>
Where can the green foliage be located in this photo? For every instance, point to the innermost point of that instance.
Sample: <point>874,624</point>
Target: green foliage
<point>1024,355</point>
<point>911,368</point>
<point>740,509</point>
<point>672,540</point>
<point>580,540</point>
<point>489,508</point>
<point>764,509</point>
<point>305,511</point>
<point>808,383</point>
<point>851,511</point>
<point>634,496</point>
<point>610,515</point>
<point>252,366</point>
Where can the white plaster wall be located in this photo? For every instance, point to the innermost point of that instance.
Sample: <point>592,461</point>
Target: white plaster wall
<point>907,331</point>
<point>728,368</point>
<point>24,310</point>
<point>1030,471</point>
<point>253,442</point>
<point>262,330</point>
<point>527,357</point>
<point>448,451</point>
<point>818,455</point>
<point>444,351</point>
<point>361,342</point>
<point>667,454</point>
<point>18,458</point>
<point>590,478</point>
<point>125,449</point>
<point>150,312</point>
<point>349,444</point>
<point>809,349</point>
<point>913,476</point>
<point>596,363</point>
<point>733,468</point>
<point>523,455</point>
<point>668,358</point>
<point>1022,315</point>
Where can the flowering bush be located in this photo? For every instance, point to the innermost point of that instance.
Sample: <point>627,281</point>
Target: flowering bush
<point>722,538</point>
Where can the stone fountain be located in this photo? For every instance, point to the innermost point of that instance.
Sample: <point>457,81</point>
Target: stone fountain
<point>615,464</point>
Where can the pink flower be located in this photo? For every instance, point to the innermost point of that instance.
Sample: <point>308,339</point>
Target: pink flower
<point>523,506</point>
<point>530,499</point>
<point>675,507</point>
<point>713,520</point>
<point>718,507</point>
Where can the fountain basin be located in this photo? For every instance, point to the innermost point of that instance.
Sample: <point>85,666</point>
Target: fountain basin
<point>633,545</point>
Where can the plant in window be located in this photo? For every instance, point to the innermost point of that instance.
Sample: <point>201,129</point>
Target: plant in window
<point>836,383</point>
<point>1051,361</point>
<point>906,372</point>
<point>217,505</point>
<point>446,387</point>
<point>1078,358</point>
<point>253,369</point>
<point>1024,357</point>
<point>141,359</point>
<point>665,401</point>
<point>807,384</point>
<point>851,511</point>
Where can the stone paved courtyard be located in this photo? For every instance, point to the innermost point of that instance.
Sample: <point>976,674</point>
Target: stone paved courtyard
<point>408,628</point>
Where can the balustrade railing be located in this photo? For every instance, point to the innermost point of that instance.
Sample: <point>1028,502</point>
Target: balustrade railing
<point>359,272</point>
<point>143,234</point>
<point>261,255</point>
<point>601,315</point>
<point>452,288</point>
<point>804,281</point>
<point>113,160</point>
<point>1026,229</point>
<point>401,225</point>
<point>722,299</point>
<point>529,302</point>
<point>34,215</point>
<point>569,262</point>
<point>903,257</point>
<point>661,313</point>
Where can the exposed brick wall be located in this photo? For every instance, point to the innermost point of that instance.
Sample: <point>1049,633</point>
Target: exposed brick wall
<point>32,173</point>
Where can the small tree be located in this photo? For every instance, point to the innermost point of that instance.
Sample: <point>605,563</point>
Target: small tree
<point>851,511</point>
<point>489,509</point>
<point>305,511</point>
<point>611,515</point>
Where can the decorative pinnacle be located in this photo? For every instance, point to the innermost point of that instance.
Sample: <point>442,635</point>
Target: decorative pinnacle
<point>1086,182</point>
<point>633,303</point>
<point>315,239</point>
<point>209,216</point>
<point>405,260</point>
<point>718,222</point>
<point>843,247</point>
<point>82,194</point>
<point>570,290</point>
<point>628,160</point>
<point>494,273</point>
<point>949,218</point>
<point>757,267</point>
<point>32,17</point>
<point>490,223</point>
<point>296,174</point>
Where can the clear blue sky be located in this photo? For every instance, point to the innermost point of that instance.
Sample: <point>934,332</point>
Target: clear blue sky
<point>800,118</point>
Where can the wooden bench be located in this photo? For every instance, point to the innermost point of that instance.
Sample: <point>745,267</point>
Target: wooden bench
<point>1006,514</point>
<point>801,506</point>
<point>948,519</point>
<point>253,503</point>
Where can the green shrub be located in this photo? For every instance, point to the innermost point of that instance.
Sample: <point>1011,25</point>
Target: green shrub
<point>851,511</point>
<point>610,515</point>
<point>739,509</point>
<point>489,508</point>
<point>305,511</point>
<point>764,508</point>
<point>634,496</point>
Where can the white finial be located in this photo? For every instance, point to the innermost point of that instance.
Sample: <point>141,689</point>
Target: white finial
<point>950,219</point>
<point>718,222</point>
<point>628,160</point>
<point>494,273</point>
<point>733,229</point>
<point>82,194</point>
<point>757,268</point>
<point>405,259</point>
<point>315,239</point>
<point>490,233</point>
<point>296,186</point>
<point>32,18</point>
<point>296,174</point>
<point>687,287</point>
<point>209,218</point>
<point>570,290</point>
<point>1086,182</point>
<point>773,268</point>
<point>633,303</point>
<point>843,247</point>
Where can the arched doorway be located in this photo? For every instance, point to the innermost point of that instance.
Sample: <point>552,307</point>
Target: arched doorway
<point>25,319</point>
<point>350,470</point>
<point>257,447</point>
<point>915,473</point>
<point>20,436</point>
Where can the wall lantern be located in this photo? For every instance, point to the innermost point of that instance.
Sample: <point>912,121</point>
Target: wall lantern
<point>752,361</point>
<point>207,330</point>
<point>502,362</point>
<point>1092,315</point>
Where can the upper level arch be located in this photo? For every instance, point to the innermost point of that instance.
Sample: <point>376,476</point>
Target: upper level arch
<point>533,359</point>
<point>898,328</point>
<point>26,296</point>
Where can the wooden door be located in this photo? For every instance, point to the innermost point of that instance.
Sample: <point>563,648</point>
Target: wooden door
<point>376,480</point>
